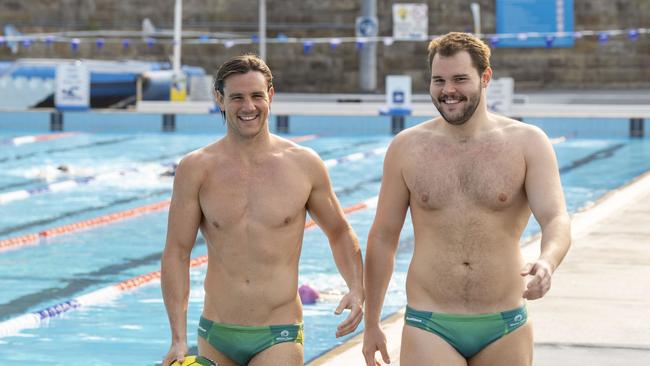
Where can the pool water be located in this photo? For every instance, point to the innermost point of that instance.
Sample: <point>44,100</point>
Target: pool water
<point>132,328</point>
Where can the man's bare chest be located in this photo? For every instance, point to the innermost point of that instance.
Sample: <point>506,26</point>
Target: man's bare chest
<point>489,178</point>
<point>273,196</point>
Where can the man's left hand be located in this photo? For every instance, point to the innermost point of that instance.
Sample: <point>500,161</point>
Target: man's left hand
<point>539,285</point>
<point>353,300</point>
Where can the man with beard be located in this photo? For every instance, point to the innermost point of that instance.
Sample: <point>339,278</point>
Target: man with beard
<point>249,193</point>
<point>471,179</point>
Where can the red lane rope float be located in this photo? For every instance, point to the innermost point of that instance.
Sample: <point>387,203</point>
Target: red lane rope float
<point>303,138</point>
<point>34,319</point>
<point>18,241</point>
<point>29,139</point>
<point>106,219</point>
<point>101,220</point>
<point>370,202</point>
<point>85,224</point>
<point>54,136</point>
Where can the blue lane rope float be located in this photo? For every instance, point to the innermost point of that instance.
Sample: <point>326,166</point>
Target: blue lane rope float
<point>356,156</point>
<point>72,183</point>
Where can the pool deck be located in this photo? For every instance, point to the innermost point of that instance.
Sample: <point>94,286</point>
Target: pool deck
<point>598,310</point>
<point>548,104</point>
<point>551,104</point>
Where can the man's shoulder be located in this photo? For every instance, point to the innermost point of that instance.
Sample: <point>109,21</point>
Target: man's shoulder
<point>200,158</point>
<point>513,126</point>
<point>426,130</point>
<point>288,147</point>
<point>203,153</point>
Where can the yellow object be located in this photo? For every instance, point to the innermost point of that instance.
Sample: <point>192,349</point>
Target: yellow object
<point>178,90</point>
<point>194,361</point>
<point>178,95</point>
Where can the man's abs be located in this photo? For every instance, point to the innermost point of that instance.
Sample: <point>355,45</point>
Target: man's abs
<point>441,279</point>
<point>252,297</point>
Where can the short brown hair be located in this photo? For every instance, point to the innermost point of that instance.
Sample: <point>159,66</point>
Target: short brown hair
<point>454,42</point>
<point>241,65</point>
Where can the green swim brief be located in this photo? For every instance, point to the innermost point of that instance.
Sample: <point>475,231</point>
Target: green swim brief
<point>467,333</point>
<point>240,343</point>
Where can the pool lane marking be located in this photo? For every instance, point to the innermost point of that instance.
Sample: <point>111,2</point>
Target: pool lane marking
<point>354,157</point>
<point>557,140</point>
<point>31,238</point>
<point>20,140</point>
<point>105,219</point>
<point>84,210</point>
<point>369,203</point>
<point>68,148</point>
<point>64,290</point>
<point>599,154</point>
<point>81,225</point>
<point>33,320</point>
<point>72,183</point>
<point>302,138</point>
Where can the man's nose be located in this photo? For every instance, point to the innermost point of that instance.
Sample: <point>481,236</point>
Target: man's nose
<point>248,104</point>
<point>449,88</point>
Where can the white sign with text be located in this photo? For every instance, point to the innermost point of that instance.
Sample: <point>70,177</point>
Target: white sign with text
<point>72,86</point>
<point>410,22</point>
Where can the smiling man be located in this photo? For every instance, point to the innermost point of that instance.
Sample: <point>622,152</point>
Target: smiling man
<point>249,193</point>
<point>471,180</point>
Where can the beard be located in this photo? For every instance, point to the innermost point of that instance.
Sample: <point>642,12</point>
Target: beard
<point>459,117</point>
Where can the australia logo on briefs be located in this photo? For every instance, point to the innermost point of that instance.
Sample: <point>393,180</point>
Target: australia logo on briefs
<point>284,336</point>
<point>413,319</point>
<point>518,319</point>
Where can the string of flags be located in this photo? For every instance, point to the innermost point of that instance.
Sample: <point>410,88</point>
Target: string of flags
<point>136,38</point>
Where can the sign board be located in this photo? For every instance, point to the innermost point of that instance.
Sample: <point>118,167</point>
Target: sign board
<point>72,86</point>
<point>410,22</point>
<point>367,27</point>
<point>499,95</point>
<point>518,17</point>
<point>398,95</point>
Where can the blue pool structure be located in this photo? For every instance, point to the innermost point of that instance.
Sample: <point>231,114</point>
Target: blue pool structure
<point>116,162</point>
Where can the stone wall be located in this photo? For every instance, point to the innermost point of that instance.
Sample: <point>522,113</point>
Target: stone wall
<point>618,64</point>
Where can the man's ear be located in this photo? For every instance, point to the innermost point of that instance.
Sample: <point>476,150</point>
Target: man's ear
<point>218,97</point>
<point>486,77</point>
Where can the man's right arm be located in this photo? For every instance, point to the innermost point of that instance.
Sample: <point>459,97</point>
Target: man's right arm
<point>382,245</point>
<point>183,223</point>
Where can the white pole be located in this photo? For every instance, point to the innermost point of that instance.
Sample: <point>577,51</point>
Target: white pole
<point>476,14</point>
<point>262,30</point>
<point>178,20</point>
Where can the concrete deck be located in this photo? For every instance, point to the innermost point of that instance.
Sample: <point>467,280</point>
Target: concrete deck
<point>598,310</point>
<point>584,104</point>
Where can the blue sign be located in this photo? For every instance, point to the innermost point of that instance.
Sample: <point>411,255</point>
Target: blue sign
<point>398,97</point>
<point>367,26</point>
<point>523,17</point>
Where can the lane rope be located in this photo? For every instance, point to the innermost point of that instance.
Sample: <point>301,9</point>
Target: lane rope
<point>103,295</point>
<point>34,238</point>
<point>354,157</point>
<point>20,140</point>
<point>85,224</point>
<point>76,182</point>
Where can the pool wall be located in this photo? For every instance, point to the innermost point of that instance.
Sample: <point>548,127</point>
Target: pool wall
<point>334,125</point>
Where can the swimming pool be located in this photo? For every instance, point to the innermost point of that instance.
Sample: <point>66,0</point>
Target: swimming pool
<point>131,327</point>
